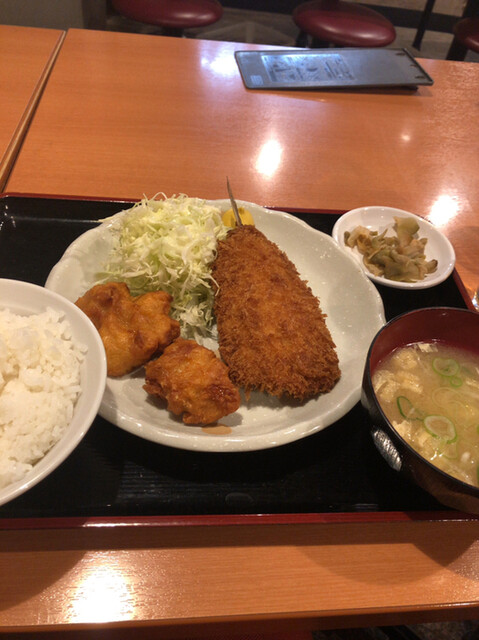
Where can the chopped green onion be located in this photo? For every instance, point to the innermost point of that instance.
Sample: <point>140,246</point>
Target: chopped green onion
<point>449,451</point>
<point>455,381</point>
<point>445,366</point>
<point>407,409</point>
<point>441,427</point>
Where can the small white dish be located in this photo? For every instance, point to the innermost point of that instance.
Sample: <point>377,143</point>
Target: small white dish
<point>23,298</point>
<point>378,219</point>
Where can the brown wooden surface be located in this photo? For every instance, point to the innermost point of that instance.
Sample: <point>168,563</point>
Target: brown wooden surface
<point>26,55</point>
<point>125,115</point>
<point>193,580</point>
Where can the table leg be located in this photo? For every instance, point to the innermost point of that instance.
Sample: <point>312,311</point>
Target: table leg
<point>458,51</point>
<point>426,14</point>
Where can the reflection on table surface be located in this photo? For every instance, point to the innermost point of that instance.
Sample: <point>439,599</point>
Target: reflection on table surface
<point>187,579</point>
<point>125,115</point>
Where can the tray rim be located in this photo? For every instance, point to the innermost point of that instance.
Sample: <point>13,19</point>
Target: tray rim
<point>294,210</point>
<point>220,520</point>
<point>228,520</point>
<point>42,196</point>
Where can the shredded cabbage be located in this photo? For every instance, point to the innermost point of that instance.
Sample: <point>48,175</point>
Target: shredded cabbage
<point>169,244</point>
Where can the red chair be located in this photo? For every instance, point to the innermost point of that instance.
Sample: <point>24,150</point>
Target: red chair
<point>466,37</point>
<point>343,24</point>
<point>173,16</point>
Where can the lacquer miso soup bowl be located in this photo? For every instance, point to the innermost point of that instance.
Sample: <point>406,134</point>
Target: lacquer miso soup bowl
<point>428,404</point>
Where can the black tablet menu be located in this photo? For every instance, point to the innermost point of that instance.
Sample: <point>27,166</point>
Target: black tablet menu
<point>330,69</point>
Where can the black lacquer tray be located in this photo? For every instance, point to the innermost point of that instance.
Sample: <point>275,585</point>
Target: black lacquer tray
<point>113,474</point>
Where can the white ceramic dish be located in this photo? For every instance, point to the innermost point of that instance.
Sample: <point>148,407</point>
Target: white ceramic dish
<point>24,298</point>
<point>355,313</point>
<point>378,219</point>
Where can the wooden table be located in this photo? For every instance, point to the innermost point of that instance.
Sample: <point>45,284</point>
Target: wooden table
<point>125,115</point>
<point>27,57</point>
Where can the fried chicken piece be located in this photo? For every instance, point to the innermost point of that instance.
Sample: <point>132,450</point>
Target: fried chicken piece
<point>133,329</point>
<point>193,381</point>
<point>272,332</point>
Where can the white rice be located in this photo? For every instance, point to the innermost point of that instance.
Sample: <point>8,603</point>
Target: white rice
<point>39,387</point>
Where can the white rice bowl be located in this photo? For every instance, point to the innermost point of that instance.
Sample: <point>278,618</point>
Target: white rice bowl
<point>52,380</point>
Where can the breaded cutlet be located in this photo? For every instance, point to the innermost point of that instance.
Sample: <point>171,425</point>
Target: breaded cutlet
<point>272,332</point>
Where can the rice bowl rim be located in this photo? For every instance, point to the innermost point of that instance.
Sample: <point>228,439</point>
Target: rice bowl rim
<point>24,298</point>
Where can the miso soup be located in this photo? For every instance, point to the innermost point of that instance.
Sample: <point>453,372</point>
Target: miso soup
<point>430,394</point>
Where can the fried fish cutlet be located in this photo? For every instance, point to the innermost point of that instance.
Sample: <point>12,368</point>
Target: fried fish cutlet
<point>194,382</point>
<point>272,332</point>
<point>132,329</point>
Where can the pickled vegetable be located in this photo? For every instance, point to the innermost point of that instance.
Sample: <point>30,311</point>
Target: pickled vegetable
<point>400,257</point>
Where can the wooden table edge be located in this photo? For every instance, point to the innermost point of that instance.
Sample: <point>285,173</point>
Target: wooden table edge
<point>227,627</point>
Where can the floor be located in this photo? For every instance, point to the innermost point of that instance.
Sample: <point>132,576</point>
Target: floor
<point>278,29</point>
<point>443,631</point>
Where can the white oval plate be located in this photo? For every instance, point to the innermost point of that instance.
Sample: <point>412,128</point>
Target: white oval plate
<point>23,298</point>
<point>355,313</point>
<point>378,219</point>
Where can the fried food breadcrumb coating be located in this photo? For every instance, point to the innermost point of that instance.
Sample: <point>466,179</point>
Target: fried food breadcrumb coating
<point>272,332</point>
<point>133,329</point>
<point>193,381</point>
